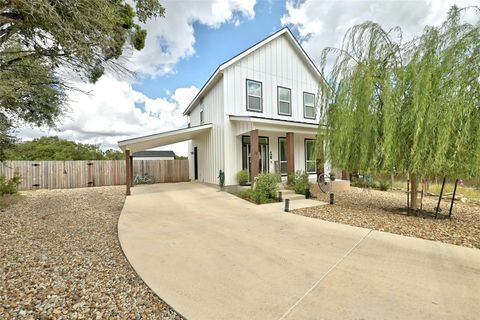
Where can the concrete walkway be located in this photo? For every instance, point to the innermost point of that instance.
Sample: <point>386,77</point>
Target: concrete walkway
<point>211,255</point>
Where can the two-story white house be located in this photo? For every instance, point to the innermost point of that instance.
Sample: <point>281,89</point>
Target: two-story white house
<point>256,112</point>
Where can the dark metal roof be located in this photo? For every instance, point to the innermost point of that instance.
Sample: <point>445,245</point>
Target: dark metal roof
<point>156,153</point>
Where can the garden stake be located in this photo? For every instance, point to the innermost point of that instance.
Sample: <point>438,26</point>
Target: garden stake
<point>453,199</point>
<point>287,203</point>
<point>440,198</point>
<point>408,195</point>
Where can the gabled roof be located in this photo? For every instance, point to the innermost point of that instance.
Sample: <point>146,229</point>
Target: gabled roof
<point>155,154</point>
<point>218,73</point>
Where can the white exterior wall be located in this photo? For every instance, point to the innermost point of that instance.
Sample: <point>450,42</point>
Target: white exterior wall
<point>275,64</point>
<point>210,156</point>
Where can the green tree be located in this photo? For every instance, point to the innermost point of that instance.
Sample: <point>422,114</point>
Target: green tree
<point>410,107</point>
<point>54,148</point>
<point>42,41</point>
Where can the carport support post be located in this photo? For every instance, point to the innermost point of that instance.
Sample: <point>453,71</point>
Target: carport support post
<point>254,156</point>
<point>131,170</point>
<point>127,171</point>
<point>290,155</point>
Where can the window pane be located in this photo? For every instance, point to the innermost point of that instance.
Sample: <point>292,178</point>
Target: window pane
<point>309,99</point>
<point>254,103</point>
<point>311,166</point>
<point>245,139</point>
<point>263,140</point>
<point>310,148</point>
<point>283,167</point>
<point>254,88</point>
<point>284,94</point>
<point>284,107</point>
<point>309,112</point>
<point>283,150</point>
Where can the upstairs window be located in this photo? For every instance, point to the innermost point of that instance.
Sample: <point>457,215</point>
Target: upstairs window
<point>201,116</point>
<point>254,96</point>
<point>284,101</point>
<point>309,105</point>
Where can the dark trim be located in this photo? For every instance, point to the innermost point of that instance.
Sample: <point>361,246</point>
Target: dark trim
<point>278,102</point>
<point>261,96</point>
<point>279,160</point>
<point>305,154</point>
<point>195,162</point>
<point>201,115</point>
<point>259,137</point>
<point>282,120</point>
<point>303,106</point>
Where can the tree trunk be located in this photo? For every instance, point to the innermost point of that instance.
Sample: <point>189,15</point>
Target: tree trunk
<point>413,192</point>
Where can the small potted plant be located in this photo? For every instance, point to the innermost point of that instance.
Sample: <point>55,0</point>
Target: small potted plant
<point>332,176</point>
<point>242,177</point>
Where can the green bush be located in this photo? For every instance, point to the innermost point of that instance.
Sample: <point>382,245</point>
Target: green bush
<point>9,186</point>
<point>242,177</point>
<point>298,182</point>
<point>384,185</point>
<point>265,190</point>
<point>266,185</point>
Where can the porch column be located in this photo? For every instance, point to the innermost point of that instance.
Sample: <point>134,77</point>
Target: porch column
<point>127,171</point>
<point>290,154</point>
<point>254,156</point>
<point>131,171</point>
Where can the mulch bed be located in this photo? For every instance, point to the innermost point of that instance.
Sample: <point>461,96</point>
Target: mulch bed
<point>385,211</point>
<point>60,258</point>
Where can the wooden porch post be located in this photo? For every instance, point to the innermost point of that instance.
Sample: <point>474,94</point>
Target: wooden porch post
<point>131,171</point>
<point>290,154</point>
<point>127,171</point>
<point>254,156</point>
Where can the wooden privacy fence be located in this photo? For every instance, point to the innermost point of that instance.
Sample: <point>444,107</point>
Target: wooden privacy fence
<point>79,174</point>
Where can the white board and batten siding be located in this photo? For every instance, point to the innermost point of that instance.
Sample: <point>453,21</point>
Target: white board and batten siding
<point>274,64</point>
<point>211,159</point>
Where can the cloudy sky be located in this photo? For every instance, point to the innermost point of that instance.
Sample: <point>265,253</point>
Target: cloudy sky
<point>184,48</point>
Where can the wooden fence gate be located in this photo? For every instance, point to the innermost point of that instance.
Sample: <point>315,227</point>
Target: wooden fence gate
<point>79,174</point>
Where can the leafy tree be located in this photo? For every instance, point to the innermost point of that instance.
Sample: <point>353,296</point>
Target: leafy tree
<point>42,42</point>
<point>54,148</point>
<point>409,107</point>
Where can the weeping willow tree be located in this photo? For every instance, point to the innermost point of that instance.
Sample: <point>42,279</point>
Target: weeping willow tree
<point>412,108</point>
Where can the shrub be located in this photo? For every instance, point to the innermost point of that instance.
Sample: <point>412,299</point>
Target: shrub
<point>384,185</point>
<point>254,196</point>
<point>267,185</point>
<point>9,186</point>
<point>298,182</point>
<point>242,177</point>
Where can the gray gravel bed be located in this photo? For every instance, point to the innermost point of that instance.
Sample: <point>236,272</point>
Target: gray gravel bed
<point>60,258</point>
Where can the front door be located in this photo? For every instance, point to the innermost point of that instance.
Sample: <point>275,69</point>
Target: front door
<point>195,162</point>
<point>263,149</point>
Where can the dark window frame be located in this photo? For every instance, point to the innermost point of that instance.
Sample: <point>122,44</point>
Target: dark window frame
<point>261,95</point>
<point>304,114</point>
<point>279,156</point>
<point>289,103</point>
<point>202,115</point>
<point>306,158</point>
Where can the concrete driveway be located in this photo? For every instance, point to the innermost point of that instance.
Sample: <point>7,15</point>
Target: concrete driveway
<point>211,255</point>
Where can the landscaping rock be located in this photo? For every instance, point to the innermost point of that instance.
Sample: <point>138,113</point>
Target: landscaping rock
<point>61,259</point>
<point>386,211</point>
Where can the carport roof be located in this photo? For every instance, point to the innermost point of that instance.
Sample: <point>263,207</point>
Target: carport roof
<point>163,138</point>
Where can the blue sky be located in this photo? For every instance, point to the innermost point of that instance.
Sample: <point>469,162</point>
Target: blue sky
<point>213,47</point>
<point>184,48</point>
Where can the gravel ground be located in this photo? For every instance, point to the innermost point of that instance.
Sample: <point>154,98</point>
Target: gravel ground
<point>60,259</point>
<point>385,211</point>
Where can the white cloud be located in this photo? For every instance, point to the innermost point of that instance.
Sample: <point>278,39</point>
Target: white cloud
<point>172,38</point>
<point>323,23</point>
<point>114,111</point>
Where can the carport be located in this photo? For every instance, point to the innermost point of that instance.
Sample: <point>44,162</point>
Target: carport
<point>142,143</point>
